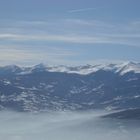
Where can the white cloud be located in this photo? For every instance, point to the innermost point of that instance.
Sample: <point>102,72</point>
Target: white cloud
<point>64,38</point>
<point>124,39</point>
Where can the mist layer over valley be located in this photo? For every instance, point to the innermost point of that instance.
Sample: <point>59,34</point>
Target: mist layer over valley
<point>66,126</point>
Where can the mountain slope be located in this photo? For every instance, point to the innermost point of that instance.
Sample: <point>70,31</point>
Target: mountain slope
<point>133,114</point>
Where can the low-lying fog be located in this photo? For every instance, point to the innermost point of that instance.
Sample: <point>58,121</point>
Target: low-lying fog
<point>65,126</point>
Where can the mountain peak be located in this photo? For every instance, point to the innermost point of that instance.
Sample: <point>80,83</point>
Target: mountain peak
<point>41,65</point>
<point>129,67</point>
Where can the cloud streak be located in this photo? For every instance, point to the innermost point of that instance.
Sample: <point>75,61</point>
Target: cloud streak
<point>81,10</point>
<point>126,39</point>
<point>63,38</point>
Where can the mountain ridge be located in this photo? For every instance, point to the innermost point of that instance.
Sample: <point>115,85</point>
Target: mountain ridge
<point>121,68</point>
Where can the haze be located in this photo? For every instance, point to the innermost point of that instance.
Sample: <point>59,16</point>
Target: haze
<point>65,126</point>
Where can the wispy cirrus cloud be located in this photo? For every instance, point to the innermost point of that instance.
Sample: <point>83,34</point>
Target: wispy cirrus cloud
<point>70,26</point>
<point>81,10</point>
<point>62,38</point>
<point>124,39</point>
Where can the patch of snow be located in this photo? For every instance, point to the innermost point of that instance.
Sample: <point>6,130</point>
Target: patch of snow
<point>137,96</point>
<point>132,79</point>
<point>6,82</point>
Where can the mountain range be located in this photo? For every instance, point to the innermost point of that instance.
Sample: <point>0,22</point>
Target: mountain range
<point>44,88</point>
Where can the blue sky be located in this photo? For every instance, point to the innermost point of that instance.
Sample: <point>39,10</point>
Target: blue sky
<point>69,31</point>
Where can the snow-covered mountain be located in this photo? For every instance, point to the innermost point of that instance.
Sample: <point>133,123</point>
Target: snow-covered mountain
<point>43,87</point>
<point>120,68</point>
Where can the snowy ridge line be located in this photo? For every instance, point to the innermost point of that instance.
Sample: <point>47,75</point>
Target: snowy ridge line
<point>121,68</point>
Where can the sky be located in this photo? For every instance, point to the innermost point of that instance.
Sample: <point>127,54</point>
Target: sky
<point>69,32</point>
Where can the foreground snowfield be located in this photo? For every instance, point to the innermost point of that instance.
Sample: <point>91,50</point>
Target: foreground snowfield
<point>66,126</point>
